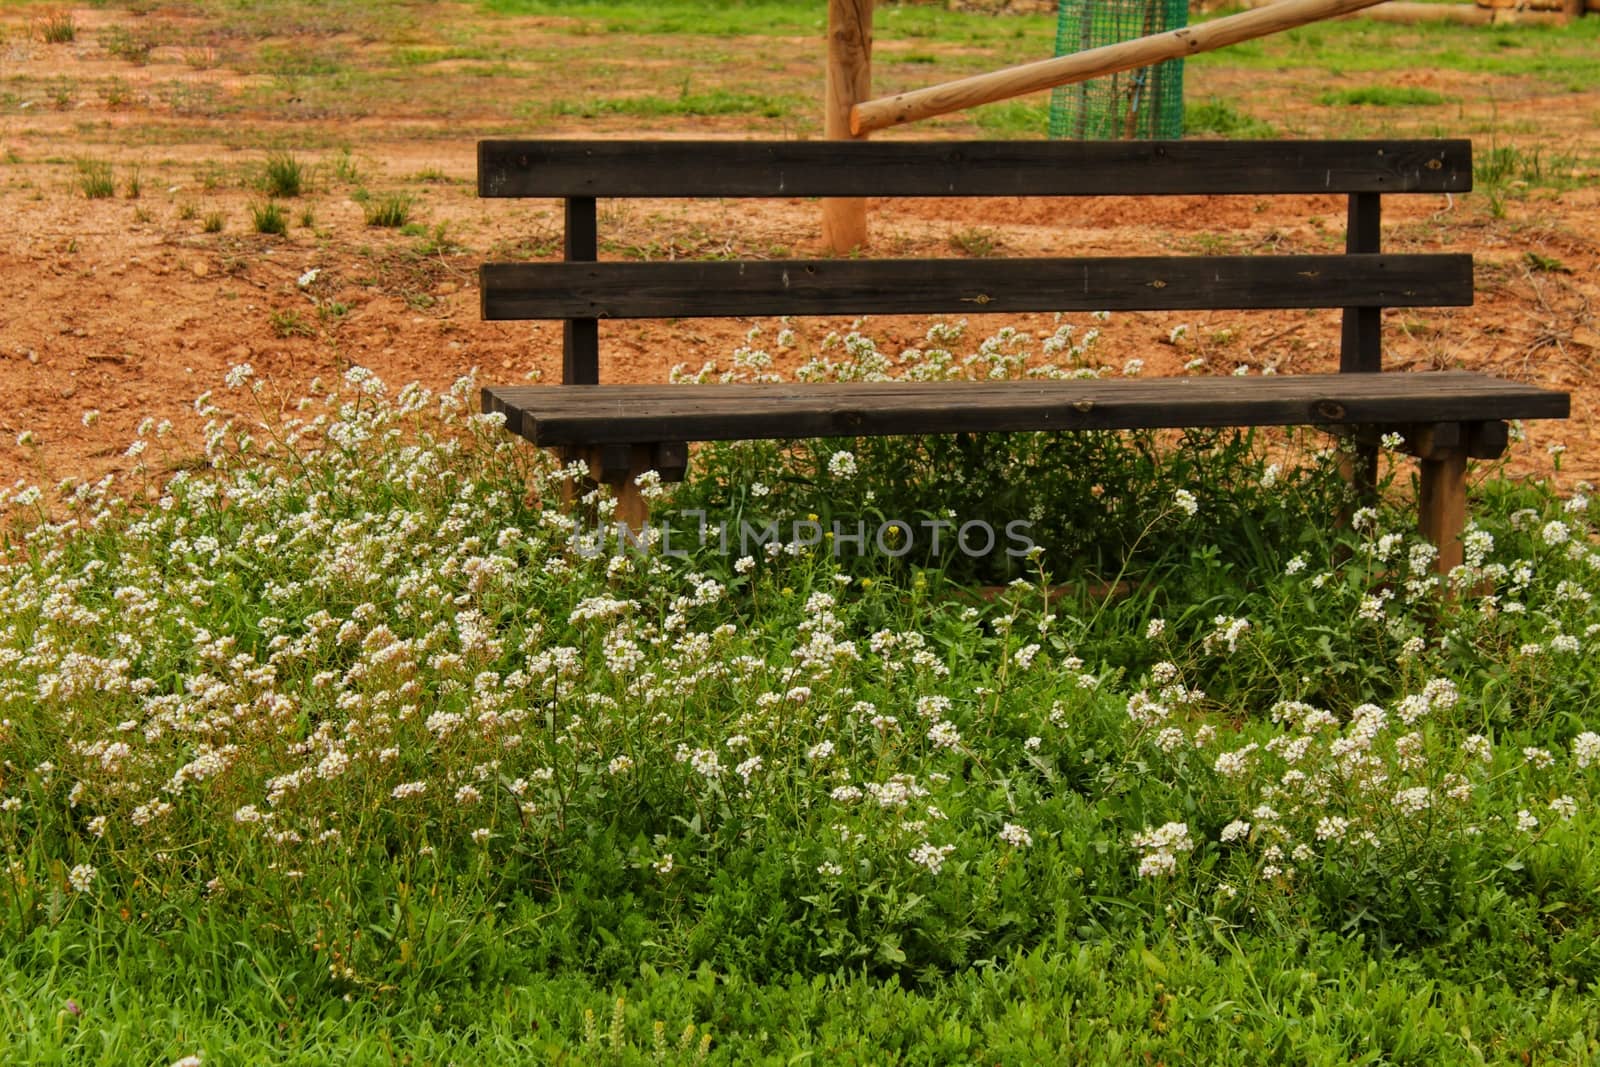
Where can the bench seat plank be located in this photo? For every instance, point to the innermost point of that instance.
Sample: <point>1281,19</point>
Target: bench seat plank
<point>610,414</point>
<point>629,290</point>
<point>512,168</point>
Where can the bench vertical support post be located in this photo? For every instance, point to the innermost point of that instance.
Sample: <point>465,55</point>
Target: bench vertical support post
<point>1442,500</point>
<point>618,466</point>
<point>1361,343</point>
<point>849,82</point>
<point>580,338</point>
<point>1442,453</point>
<point>1361,339</point>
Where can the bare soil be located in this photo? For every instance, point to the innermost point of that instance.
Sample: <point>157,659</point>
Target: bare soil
<point>126,307</point>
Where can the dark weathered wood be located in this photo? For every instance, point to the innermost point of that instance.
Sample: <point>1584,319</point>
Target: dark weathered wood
<point>1484,440</point>
<point>631,413</point>
<point>1361,344</point>
<point>1361,336</point>
<point>968,168</point>
<point>580,338</point>
<point>847,287</point>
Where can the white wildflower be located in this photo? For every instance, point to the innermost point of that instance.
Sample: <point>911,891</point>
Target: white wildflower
<point>81,877</point>
<point>931,856</point>
<point>943,734</point>
<point>1332,828</point>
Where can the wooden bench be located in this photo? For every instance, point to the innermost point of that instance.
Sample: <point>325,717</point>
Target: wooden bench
<point>623,430</point>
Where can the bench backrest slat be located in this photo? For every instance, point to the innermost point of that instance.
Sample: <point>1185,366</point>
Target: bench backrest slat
<point>694,289</point>
<point>968,168</point>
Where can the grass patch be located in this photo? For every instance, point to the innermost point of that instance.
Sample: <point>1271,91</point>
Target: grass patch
<point>1223,118</point>
<point>96,179</point>
<point>687,102</point>
<point>1382,96</point>
<point>744,18</point>
<point>1566,57</point>
<point>269,218</point>
<point>1506,172</point>
<point>388,212</point>
<point>977,242</point>
<point>214,222</point>
<point>58,27</point>
<point>1014,119</point>
<point>283,175</point>
<point>316,61</point>
<point>345,168</point>
<point>290,324</point>
<point>127,45</point>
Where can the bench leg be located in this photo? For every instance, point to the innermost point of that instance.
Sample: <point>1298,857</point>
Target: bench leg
<point>1442,504</point>
<point>620,466</point>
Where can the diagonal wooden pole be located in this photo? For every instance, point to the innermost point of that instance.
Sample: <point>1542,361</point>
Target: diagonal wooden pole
<point>849,81</point>
<point>958,95</point>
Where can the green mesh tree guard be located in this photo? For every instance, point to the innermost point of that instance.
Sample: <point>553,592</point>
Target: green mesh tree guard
<point>1143,104</point>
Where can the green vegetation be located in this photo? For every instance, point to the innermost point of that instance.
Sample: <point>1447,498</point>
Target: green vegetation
<point>125,44</point>
<point>1505,171</point>
<point>269,218</point>
<point>1222,118</point>
<point>1567,57</point>
<point>290,324</point>
<point>58,27</point>
<point>1382,96</point>
<point>976,241</point>
<point>283,176</point>
<point>687,102</point>
<point>95,179</point>
<point>390,212</point>
<point>343,724</point>
<point>345,168</point>
<point>335,744</point>
<point>1020,119</point>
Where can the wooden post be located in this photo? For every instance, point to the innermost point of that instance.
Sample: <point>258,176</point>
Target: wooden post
<point>1361,340</point>
<point>849,81</point>
<point>618,466</point>
<point>580,338</point>
<point>1442,490</point>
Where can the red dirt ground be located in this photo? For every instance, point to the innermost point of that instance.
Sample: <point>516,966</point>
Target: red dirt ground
<point>127,308</point>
